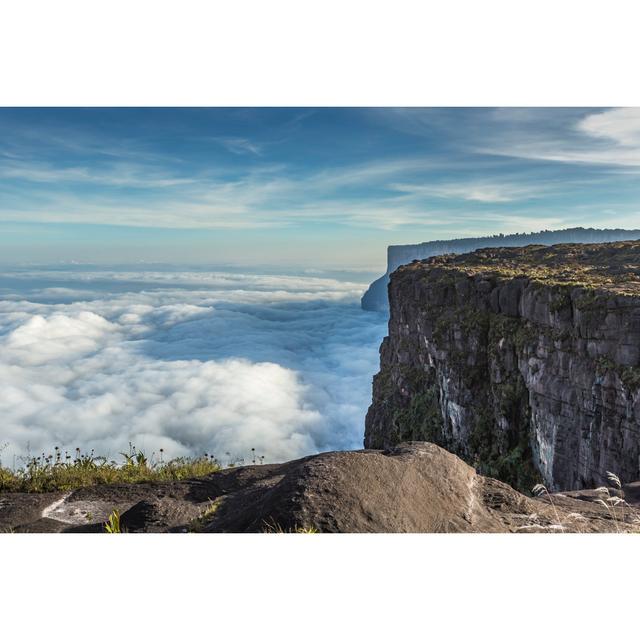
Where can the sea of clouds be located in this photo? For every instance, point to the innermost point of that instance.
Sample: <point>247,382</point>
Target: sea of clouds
<point>190,362</point>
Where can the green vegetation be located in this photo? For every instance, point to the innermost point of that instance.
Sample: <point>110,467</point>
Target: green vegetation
<point>492,340</point>
<point>63,473</point>
<point>479,352</point>
<point>206,516</point>
<point>441,329</point>
<point>521,334</point>
<point>505,455</point>
<point>112,525</point>
<point>274,527</point>
<point>559,302</point>
<point>612,267</point>
<point>383,382</point>
<point>422,419</point>
<point>629,375</point>
<point>604,365</point>
<point>590,300</point>
<point>465,319</point>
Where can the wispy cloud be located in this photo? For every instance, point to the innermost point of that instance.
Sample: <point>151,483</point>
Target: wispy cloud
<point>473,191</point>
<point>276,198</point>
<point>571,136</point>
<point>113,175</point>
<point>270,195</point>
<point>239,146</point>
<point>621,125</point>
<point>610,137</point>
<point>427,168</point>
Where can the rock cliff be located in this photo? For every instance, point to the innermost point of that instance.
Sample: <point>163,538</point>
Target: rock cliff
<point>523,361</point>
<point>376,299</point>
<point>415,487</point>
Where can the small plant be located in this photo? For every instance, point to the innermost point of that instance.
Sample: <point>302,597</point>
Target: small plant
<point>3,446</point>
<point>614,480</point>
<point>64,472</point>
<point>276,527</point>
<point>610,502</point>
<point>112,525</point>
<point>206,516</point>
<point>540,490</point>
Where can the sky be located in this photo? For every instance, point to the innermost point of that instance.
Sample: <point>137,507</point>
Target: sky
<point>189,279</point>
<point>320,188</point>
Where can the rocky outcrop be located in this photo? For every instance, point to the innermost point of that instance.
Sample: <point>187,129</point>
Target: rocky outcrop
<point>376,298</point>
<point>415,487</point>
<point>524,362</point>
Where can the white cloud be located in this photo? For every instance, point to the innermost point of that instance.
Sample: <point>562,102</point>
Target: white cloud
<point>265,197</point>
<point>281,364</point>
<point>113,175</point>
<point>473,191</point>
<point>550,151</point>
<point>609,138</point>
<point>56,338</point>
<point>621,125</point>
<point>382,193</point>
<point>239,146</point>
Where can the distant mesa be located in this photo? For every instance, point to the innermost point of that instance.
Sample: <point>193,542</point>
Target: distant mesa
<point>376,297</point>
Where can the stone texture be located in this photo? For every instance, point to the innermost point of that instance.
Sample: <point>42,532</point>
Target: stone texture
<point>414,487</point>
<point>522,361</point>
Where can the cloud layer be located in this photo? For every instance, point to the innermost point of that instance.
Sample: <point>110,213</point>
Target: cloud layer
<point>187,362</point>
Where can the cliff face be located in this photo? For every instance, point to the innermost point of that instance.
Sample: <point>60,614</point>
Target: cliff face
<point>524,362</point>
<point>376,299</point>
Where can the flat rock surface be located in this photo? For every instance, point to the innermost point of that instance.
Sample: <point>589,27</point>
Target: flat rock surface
<point>414,487</point>
<point>613,266</point>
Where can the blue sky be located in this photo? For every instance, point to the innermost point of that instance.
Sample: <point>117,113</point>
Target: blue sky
<point>314,187</point>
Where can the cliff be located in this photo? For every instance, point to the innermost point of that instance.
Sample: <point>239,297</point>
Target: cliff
<point>415,487</point>
<point>523,361</point>
<point>376,298</point>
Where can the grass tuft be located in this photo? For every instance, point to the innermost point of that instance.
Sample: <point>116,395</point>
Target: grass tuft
<point>540,490</point>
<point>614,480</point>
<point>112,525</point>
<point>275,527</point>
<point>206,516</point>
<point>58,472</point>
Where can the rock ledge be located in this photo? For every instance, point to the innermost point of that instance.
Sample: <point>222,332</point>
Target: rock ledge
<point>414,487</point>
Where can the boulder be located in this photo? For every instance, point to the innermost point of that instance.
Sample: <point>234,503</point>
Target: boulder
<point>415,487</point>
